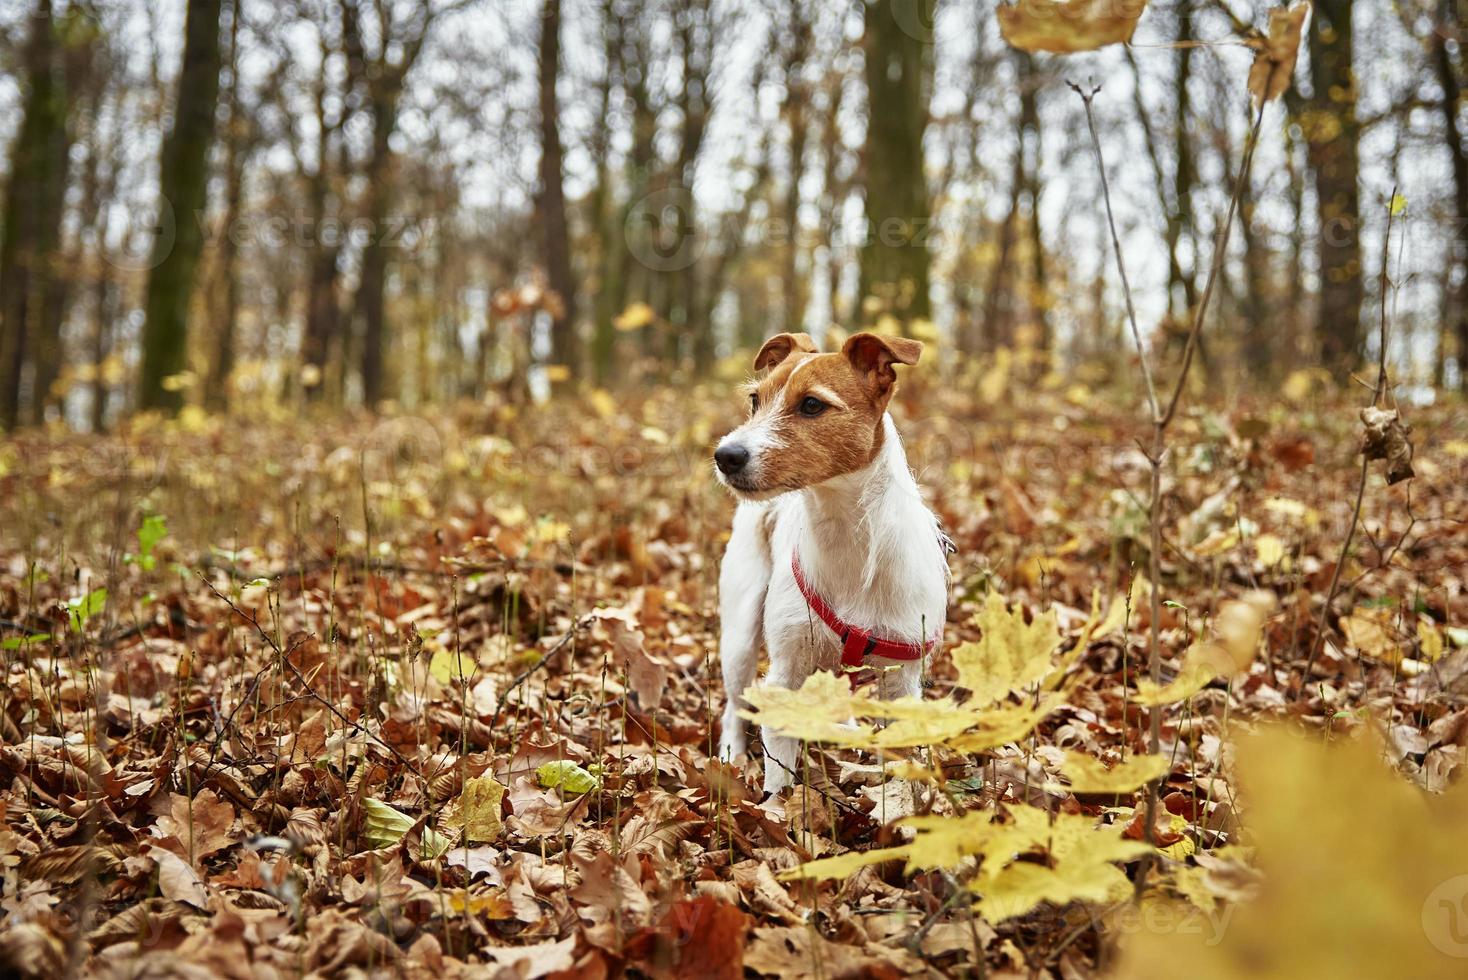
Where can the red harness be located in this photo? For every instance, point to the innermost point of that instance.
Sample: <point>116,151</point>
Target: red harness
<point>856,643</point>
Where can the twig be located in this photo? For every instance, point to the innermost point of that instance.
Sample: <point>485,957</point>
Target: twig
<point>1131,309</point>
<point>526,674</point>
<point>1376,395</point>
<point>1162,419</point>
<point>355,726</point>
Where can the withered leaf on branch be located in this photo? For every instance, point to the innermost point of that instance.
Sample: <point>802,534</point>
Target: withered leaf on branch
<point>1068,26</point>
<point>1274,59</point>
<point>1386,438</point>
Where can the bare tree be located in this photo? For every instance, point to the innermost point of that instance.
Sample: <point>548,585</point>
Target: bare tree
<point>1335,158</point>
<point>30,291</point>
<point>555,233</point>
<point>183,182</point>
<point>894,260</point>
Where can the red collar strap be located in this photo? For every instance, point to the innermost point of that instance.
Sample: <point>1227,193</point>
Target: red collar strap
<point>856,643</point>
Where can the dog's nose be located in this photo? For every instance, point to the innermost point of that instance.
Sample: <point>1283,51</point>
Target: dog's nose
<point>731,459</point>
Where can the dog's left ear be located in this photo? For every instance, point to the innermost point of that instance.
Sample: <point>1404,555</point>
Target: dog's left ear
<point>873,355</point>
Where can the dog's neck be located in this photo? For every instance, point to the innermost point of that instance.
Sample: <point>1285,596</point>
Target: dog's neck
<point>869,543</point>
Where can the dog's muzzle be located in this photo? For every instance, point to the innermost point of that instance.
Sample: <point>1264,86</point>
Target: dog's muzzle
<point>731,459</point>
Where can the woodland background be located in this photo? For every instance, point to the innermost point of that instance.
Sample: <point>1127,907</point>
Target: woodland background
<point>360,367</point>
<point>361,203</point>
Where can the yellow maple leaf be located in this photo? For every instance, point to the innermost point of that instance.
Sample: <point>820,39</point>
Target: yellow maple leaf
<point>1011,654</point>
<point>1089,775</point>
<point>1203,663</point>
<point>818,712</point>
<point>1001,726</point>
<point>843,865</point>
<point>1270,550</point>
<point>448,666</point>
<point>1239,625</point>
<point>1429,639</point>
<point>1081,867</point>
<point>1372,632</point>
<point>939,723</point>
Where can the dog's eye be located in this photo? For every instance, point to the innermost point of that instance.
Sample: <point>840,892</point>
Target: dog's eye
<point>811,406</point>
<point>754,403</point>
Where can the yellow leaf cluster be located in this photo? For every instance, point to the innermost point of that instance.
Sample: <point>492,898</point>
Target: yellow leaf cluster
<point>635,317</point>
<point>1088,774</point>
<point>1363,875</point>
<point>820,711</point>
<point>1081,857</point>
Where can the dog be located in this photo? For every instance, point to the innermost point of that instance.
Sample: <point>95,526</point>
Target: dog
<point>833,559</point>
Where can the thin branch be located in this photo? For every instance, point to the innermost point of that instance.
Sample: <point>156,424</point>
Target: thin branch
<point>1376,394</point>
<point>526,674</point>
<point>283,657</point>
<point>1131,309</point>
<point>1220,257</point>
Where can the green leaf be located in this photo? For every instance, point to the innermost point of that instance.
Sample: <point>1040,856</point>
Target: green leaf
<point>567,775</point>
<point>85,607</point>
<point>150,532</point>
<point>16,642</point>
<point>386,826</point>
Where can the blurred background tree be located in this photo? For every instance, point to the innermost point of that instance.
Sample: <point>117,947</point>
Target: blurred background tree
<point>259,205</point>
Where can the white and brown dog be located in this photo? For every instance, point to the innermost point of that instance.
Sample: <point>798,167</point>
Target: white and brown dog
<point>833,557</point>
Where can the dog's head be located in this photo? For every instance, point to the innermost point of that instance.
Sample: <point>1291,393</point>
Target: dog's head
<point>812,416</point>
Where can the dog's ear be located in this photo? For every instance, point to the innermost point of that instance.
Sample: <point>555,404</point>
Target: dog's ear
<point>781,346</point>
<point>873,355</point>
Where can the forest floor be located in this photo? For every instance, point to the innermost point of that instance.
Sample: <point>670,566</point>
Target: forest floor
<point>423,694</point>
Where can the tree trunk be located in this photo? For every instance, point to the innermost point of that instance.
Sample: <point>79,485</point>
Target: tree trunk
<point>372,289</point>
<point>1334,156</point>
<point>1457,282</point>
<point>555,229</point>
<point>833,187</point>
<point>29,313</point>
<point>797,98</point>
<point>994,327</point>
<point>1181,224</point>
<point>227,273</point>
<point>183,183</point>
<point>894,259</point>
<point>695,31</point>
<point>603,214</point>
<point>1030,123</point>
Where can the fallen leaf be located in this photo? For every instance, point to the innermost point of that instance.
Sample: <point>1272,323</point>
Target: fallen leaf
<point>1067,26</point>
<point>1387,437</point>
<point>1274,61</point>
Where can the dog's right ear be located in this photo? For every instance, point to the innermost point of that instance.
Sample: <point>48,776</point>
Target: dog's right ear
<point>781,346</point>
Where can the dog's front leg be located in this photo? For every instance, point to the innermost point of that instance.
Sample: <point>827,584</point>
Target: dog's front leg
<point>901,681</point>
<point>744,577</point>
<point>790,665</point>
